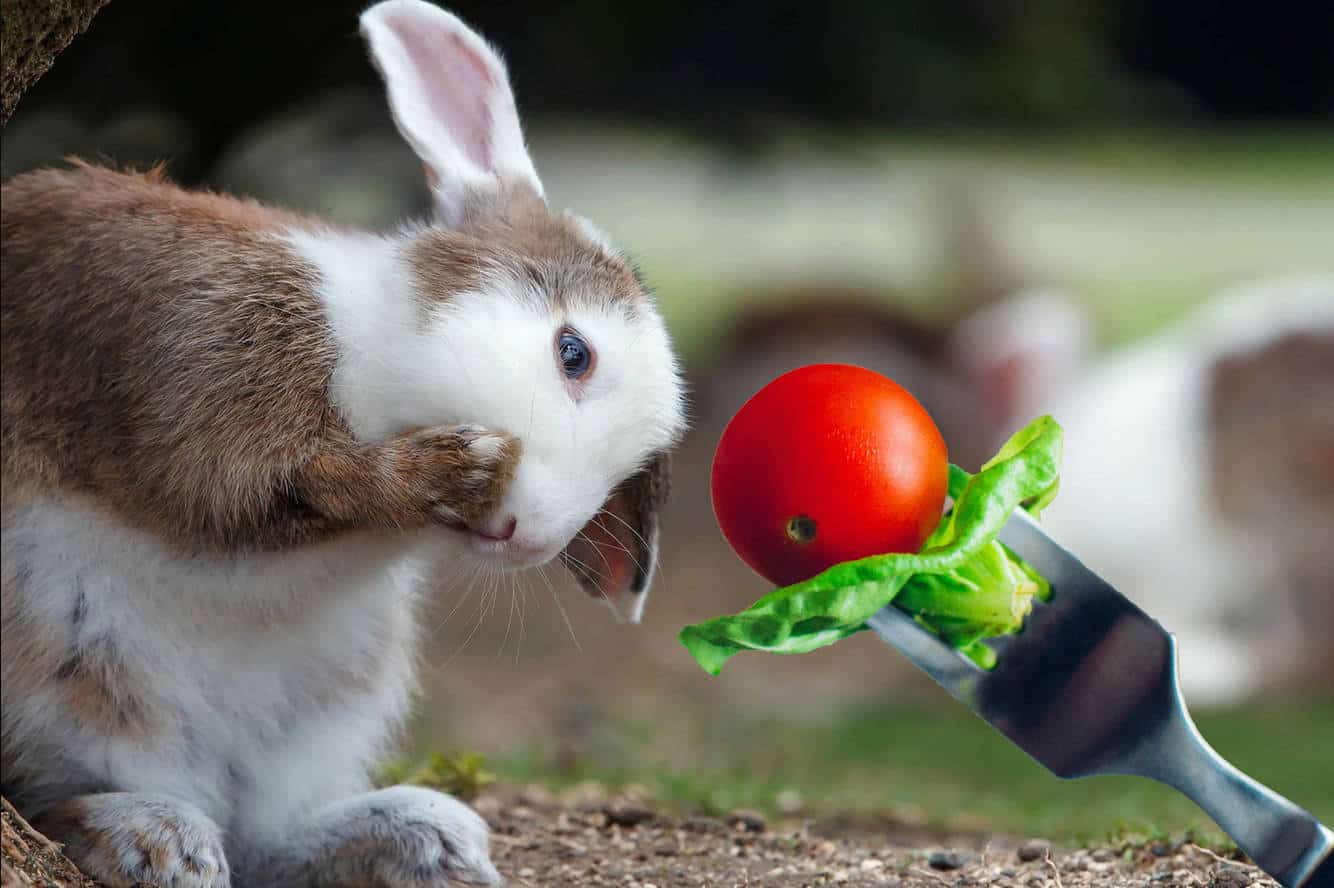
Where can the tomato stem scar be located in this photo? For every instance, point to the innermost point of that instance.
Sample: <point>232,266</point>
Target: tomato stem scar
<point>801,529</point>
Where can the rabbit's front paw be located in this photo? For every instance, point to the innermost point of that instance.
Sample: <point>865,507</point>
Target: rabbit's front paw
<point>400,837</point>
<point>125,838</point>
<point>465,470</point>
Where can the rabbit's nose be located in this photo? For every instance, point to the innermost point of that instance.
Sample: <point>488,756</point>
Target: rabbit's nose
<point>498,528</point>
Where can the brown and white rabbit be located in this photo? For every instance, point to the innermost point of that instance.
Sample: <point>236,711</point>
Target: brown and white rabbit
<point>236,439</point>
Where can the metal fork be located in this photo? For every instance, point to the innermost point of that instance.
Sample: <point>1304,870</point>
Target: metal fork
<point>1089,686</point>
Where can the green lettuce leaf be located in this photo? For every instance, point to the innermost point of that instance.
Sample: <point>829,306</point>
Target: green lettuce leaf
<point>963,585</point>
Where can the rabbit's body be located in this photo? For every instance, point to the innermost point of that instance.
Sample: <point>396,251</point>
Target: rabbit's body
<point>253,687</point>
<point>237,441</point>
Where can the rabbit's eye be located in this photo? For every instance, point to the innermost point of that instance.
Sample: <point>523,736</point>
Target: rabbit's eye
<point>575,355</point>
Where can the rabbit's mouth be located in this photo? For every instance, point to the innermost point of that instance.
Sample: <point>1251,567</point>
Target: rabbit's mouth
<point>509,551</point>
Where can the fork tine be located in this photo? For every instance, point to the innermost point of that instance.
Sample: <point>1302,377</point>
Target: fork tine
<point>953,671</point>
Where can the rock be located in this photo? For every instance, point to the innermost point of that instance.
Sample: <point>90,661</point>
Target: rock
<point>39,31</point>
<point>702,824</point>
<point>487,805</point>
<point>626,812</point>
<point>949,859</point>
<point>587,795</point>
<point>1230,877</point>
<point>1160,849</point>
<point>1033,849</point>
<point>665,848</point>
<point>537,796</point>
<point>750,821</point>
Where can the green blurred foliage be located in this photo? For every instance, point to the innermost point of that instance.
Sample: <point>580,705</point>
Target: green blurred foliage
<point>941,767</point>
<point>461,774</point>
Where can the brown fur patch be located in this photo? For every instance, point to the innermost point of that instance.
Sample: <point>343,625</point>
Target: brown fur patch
<point>99,689</point>
<point>518,238</point>
<point>70,823</point>
<point>92,680</point>
<point>1271,430</point>
<point>166,353</point>
<point>30,658</point>
<point>163,350</point>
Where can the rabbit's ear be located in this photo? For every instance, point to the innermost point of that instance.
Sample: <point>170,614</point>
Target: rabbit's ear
<point>451,100</point>
<point>1020,350</point>
<point>614,556</point>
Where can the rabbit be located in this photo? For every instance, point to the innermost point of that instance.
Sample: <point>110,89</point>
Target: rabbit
<point>237,443</point>
<point>1190,464</point>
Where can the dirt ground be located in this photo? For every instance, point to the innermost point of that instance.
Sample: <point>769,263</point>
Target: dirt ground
<point>541,840</point>
<point>584,839</point>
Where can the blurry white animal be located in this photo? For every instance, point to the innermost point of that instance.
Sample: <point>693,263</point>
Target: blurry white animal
<point>1139,497</point>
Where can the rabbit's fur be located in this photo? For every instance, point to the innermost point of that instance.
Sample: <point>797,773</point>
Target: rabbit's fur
<point>237,441</point>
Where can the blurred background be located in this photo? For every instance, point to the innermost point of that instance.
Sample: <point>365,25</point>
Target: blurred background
<point>1119,212</point>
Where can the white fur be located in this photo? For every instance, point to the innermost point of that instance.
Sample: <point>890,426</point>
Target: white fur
<point>424,838</point>
<point>189,843</point>
<point>236,654</point>
<point>433,96</point>
<point>488,357</point>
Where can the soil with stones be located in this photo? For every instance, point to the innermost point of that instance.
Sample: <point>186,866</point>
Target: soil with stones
<point>585,839</point>
<point>539,840</point>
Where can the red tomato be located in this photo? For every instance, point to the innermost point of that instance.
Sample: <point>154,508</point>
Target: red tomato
<point>825,464</point>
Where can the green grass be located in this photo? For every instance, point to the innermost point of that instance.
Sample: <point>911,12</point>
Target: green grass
<point>943,767</point>
<point>1231,157</point>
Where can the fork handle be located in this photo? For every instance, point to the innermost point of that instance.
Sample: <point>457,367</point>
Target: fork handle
<point>1283,839</point>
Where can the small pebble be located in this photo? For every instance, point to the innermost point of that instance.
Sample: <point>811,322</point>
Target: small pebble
<point>702,824</point>
<point>664,848</point>
<point>588,795</point>
<point>948,859</point>
<point>487,805</point>
<point>1160,849</point>
<point>1033,849</point>
<point>537,795</point>
<point>626,812</point>
<point>1230,877</point>
<point>750,821</point>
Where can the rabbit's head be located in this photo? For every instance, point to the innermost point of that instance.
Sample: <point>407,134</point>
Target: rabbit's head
<point>530,322</point>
